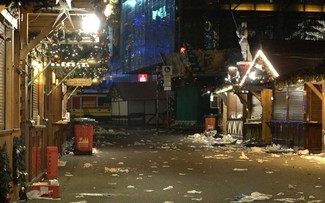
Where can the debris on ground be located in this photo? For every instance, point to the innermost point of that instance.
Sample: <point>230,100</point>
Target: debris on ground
<point>168,188</point>
<point>254,196</point>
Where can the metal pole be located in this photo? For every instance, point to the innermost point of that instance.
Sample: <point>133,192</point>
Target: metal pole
<point>157,100</point>
<point>75,89</point>
<point>63,80</point>
<point>168,94</point>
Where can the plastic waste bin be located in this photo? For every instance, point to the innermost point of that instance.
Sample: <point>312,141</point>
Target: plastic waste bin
<point>52,162</point>
<point>210,122</point>
<point>83,132</point>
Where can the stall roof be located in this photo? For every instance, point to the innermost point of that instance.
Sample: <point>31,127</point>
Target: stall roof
<point>138,90</point>
<point>290,57</point>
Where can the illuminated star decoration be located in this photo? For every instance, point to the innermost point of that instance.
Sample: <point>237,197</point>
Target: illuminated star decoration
<point>64,8</point>
<point>67,1</point>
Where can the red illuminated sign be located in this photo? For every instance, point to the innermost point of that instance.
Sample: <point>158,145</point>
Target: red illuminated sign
<point>142,77</point>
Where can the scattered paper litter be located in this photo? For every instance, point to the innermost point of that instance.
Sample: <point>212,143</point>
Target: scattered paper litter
<point>303,152</point>
<point>286,200</point>
<point>116,170</point>
<point>87,165</point>
<point>148,190</point>
<point>254,196</point>
<point>83,201</point>
<point>194,192</point>
<point>240,169</point>
<point>94,194</point>
<point>291,187</point>
<point>68,174</point>
<point>257,150</point>
<point>261,160</point>
<point>62,163</point>
<point>278,148</point>
<point>131,186</point>
<point>197,199</point>
<point>243,156</point>
<point>300,199</point>
<point>168,188</point>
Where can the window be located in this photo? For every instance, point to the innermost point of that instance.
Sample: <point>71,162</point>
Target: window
<point>235,106</point>
<point>2,79</point>
<point>35,90</point>
<point>289,104</point>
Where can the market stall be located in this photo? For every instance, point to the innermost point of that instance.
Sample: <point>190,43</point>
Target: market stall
<point>297,119</point>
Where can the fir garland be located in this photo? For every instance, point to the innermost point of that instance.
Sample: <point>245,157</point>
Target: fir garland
<point>5,175</point>
<point>18,162</point>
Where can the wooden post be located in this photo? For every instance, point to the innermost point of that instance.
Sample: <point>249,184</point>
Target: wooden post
<point>224,116</point>
<point>266,115</point>
<point>9,82</point>
<point>17,87</point>
<point>323,116</point>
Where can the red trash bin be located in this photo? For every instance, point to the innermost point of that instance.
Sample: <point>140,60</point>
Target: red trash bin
<point>84,132</point>
<point>52,162</point>
<point>210,122</point>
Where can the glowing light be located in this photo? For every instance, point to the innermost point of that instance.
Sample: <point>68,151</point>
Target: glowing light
<point>131,3</point>
<point>211,98</point>
<point>274,73</point>
<point>182,50</point>
<point>252,75</point>
<point>108,10</point>
<point>90,23</point>
<point>225,89</point>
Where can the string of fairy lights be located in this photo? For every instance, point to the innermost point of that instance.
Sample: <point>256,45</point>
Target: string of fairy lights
<point>65,50</point>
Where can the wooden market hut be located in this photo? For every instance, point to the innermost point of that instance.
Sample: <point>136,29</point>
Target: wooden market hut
<point>135,103</point>
<point>247,99</point>
<point>33,103</point>
<point>298,99</point>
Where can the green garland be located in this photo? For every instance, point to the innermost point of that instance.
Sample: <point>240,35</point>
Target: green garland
<point>302,76</point>
<point>19,169</point>
<point>5,175</point>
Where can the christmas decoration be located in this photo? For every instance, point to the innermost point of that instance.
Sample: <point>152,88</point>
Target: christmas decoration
<point>5,175</point>
<point>19,170</point>
<point>302,76</point>
<point>309,30</point>
<point>14,4</point>
<point>65,8</point>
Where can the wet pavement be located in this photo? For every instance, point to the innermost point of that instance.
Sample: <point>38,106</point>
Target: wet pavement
<point>173,167</point>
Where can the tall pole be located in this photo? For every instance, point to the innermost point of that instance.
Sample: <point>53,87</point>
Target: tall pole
<point>157,100</point>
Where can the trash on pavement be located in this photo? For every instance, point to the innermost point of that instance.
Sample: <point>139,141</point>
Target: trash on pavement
<point>240,169</point>
<point>194,192</point>
<point>252,197</point>
<point>168,188</point>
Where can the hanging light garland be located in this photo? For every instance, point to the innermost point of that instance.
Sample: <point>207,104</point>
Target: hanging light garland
<point>302,76</point>
<point>90,52</point>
